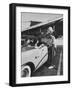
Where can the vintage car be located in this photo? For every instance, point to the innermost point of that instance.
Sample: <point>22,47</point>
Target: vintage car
<point>33,55</point>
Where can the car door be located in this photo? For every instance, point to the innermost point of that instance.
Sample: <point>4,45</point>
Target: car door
<point>37,57</point>
<point>43,56</point>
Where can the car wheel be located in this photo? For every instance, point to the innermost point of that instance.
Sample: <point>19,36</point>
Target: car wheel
<point>26,71</point>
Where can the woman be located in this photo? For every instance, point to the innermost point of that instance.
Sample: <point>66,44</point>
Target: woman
<point>48,39</point>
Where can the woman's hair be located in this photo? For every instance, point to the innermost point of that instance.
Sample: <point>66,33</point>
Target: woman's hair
<point>51,29</point>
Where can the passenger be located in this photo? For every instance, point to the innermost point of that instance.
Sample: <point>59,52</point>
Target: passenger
<point>33,42</point>
<point>28,43</point>
<point>25,43</point>
<point>36,44</point>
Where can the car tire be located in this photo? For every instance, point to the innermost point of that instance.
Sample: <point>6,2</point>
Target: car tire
<point>26,71</point>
